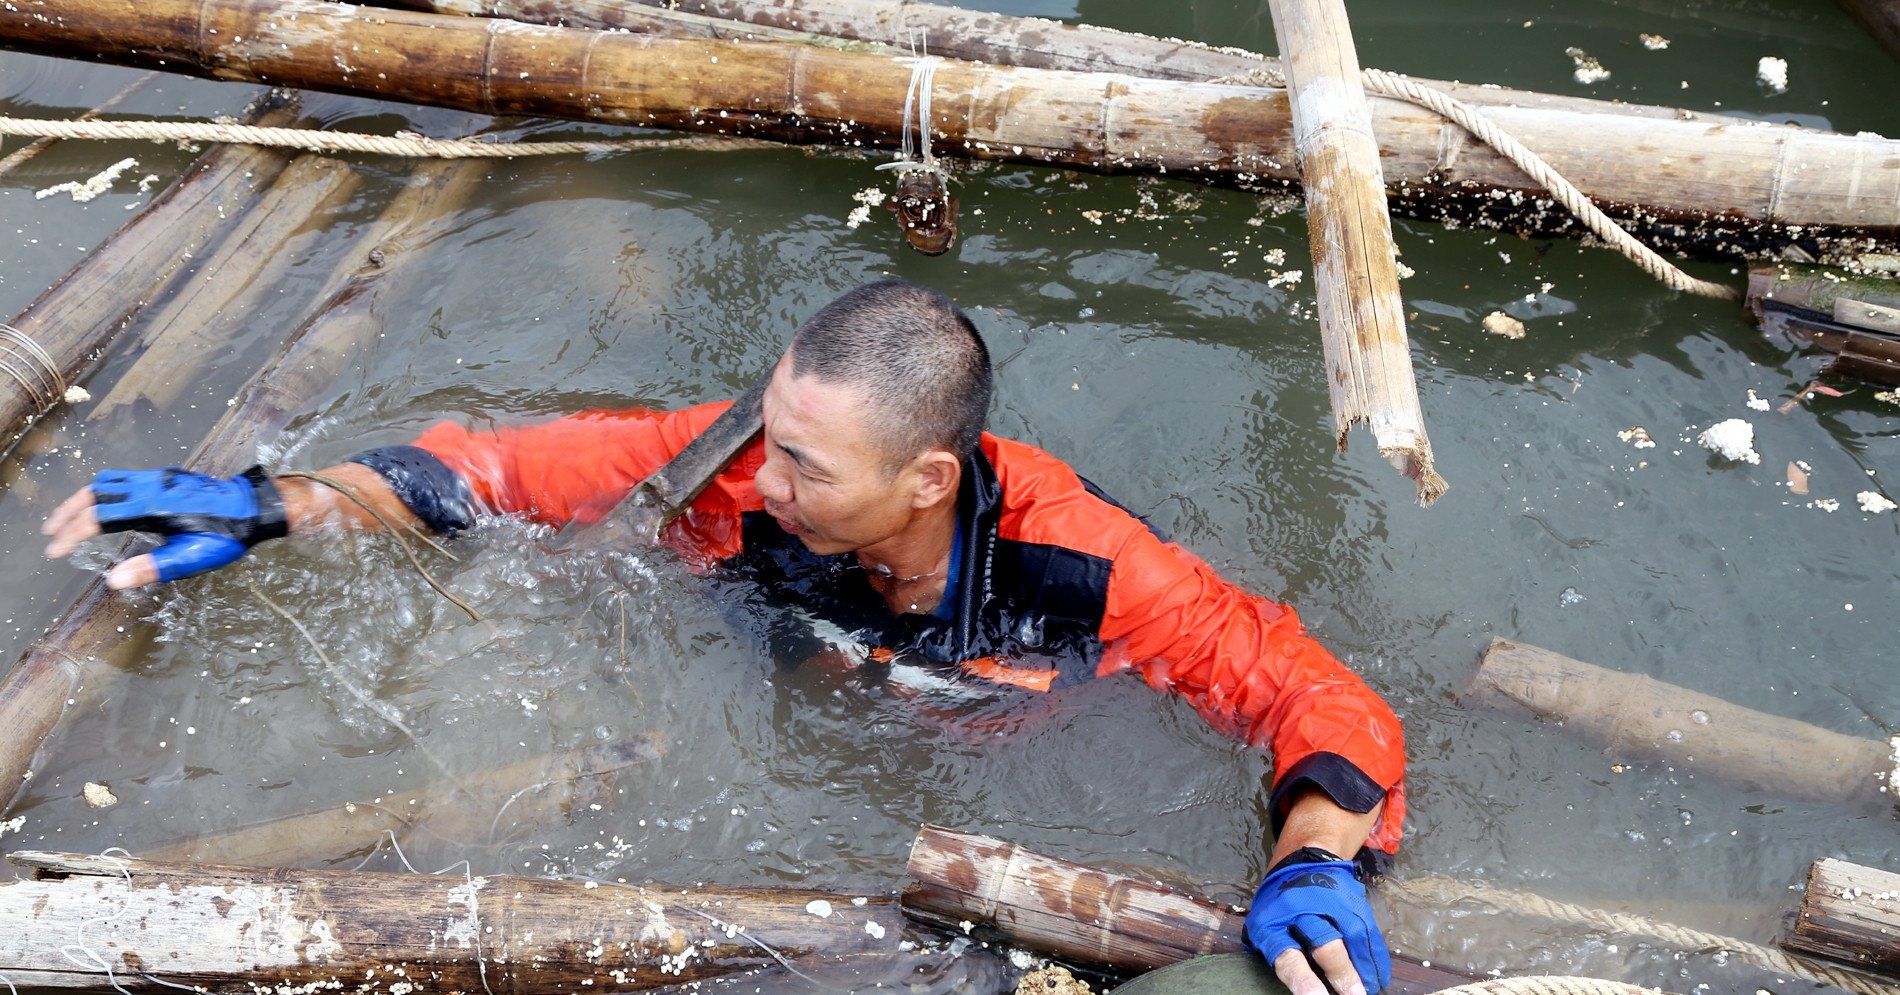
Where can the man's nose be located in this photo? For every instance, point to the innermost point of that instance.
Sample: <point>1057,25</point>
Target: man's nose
<point>772,483</point>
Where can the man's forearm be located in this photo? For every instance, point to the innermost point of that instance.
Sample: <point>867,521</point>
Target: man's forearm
<point>1314,819</point>
<point>311,505</point>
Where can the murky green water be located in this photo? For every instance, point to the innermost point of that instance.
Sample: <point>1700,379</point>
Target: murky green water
<point>1152,352</point>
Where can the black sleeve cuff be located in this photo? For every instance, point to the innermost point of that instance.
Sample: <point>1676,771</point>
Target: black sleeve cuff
<point>1348,786</point>
<point>433,492</point>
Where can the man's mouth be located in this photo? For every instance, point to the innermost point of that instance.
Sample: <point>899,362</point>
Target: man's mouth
<point>791,525</point>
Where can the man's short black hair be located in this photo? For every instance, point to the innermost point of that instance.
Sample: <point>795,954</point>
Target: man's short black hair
<point>916,359</point>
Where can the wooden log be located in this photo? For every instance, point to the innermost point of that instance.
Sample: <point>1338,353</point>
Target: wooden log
<point>528,792</point>
<point>1882,18</point>
<point>214,302</point>
<point>1863,314</point>
<point>1851,914</point>
<point>1082,914</point>
<point>1640,717</point>
<point>54,671</point>
<point>1801,307</point>
<point>1715,186</point>
<point>1361,316</point>
<point>1816,288</point>
<point>244,928</point>
<point>74,319</point>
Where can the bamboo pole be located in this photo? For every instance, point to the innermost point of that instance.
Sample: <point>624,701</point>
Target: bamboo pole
<point>1715,187</point>
<point>215,301</point>
<point>527,792</point>
<point>1851,914</point>
<point>1639,717</point>
<point>1081,914</point>
<point>151,924</point>
<point>1361,316</point>
<point>74,320</point>
<point>100,627</point>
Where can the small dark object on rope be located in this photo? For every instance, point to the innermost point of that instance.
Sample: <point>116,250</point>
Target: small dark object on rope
<point>926,209</point>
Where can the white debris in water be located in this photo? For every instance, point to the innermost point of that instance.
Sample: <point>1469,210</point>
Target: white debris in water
<point>1756,403</point>
<point>1732,439</point>
<point>1893,779</point>
<point>1404,270</point>
<point>86,191</point>
<point>818,907</point>
<point>1499,323</point>
<point>1021,960</point>
<point>1828,505</point>
<point>867,198</point>
<point>98,795</point>
<point>874,929</point>
<point>1772,73</point>
<point>1654,43</point>
<point>1287,278</point>
<point>1637,436</point>
<point>77,395</point>
<point>13,825</point>
<point>1589,70</point>
<point>1889,396</point>
<point>1874,502</point>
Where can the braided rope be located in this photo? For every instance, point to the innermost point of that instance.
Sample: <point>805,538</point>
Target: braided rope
<point>1435,890</point>
<point>1566,193</point>
<point>342,141</point>
<point>1545,984</point>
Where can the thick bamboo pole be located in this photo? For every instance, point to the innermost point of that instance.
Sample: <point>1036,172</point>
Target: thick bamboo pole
<point>75,319</point>
<point>1643,718</point>
<point>1361,316</point>
<point>99,627</point>
<point>1082,914</point>
<point>1851,914</point>
<point>150,925</point>
<point>183,335</point>
<point>528,792</point>
<point>1716,187</point>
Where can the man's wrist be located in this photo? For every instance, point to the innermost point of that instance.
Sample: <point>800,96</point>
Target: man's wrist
<point>1305,855</point>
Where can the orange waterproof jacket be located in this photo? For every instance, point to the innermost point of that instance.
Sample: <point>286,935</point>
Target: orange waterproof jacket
<point>1046,568</point>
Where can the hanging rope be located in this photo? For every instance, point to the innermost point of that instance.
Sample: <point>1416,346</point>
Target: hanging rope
<point>1436,891</point>
<point>416,146</point>
<point>1485,130</point>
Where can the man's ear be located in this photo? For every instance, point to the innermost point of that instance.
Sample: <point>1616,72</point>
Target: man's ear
<point>938,473</point>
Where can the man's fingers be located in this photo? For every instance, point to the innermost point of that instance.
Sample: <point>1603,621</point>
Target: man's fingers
<point>135,572</point>
<point>73,522</point>
<point>1333,959</point>
<point>1296,974</point>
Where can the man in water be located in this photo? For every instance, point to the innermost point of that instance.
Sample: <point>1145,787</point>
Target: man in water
<point>875,495</point>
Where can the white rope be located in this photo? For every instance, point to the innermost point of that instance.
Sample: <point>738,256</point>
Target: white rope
<point>1566,193</point>
<point>46,385</point>
<point>340,141</point>
<point>923,72</point>
<point>1545,984</point>
<point>1434,891</point>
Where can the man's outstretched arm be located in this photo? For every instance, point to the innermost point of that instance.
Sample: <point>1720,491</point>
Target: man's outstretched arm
<point>210,521</point>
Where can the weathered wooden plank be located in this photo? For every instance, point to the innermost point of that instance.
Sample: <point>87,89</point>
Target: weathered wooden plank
<point>1640,718</point>
<point>52,672</point>
<point>1851,914</point>
<point>75,318</point>
<point>231,927</point>
<point>1361,315</point>
<point>1082,914</point>
<point>1693,183</point>
<point>1862,314</point>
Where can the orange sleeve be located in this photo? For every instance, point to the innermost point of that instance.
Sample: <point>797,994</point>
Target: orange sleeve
<point>1248,666</point>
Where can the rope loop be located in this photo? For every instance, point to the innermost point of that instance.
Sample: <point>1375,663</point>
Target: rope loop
<point>46,385</point>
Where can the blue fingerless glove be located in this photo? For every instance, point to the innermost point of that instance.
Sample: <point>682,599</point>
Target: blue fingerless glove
<point>1303,905</point>
<point>210,521</point>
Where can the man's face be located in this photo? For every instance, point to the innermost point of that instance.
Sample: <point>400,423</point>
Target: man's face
<point>824,479</point>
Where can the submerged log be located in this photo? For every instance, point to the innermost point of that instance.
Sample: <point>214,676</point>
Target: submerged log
<point>74,319</point>
<point>100,627</point>
<point>1361,316</point>
<point>153,925</point>
<point>528,792</point>
<point>1850,914</point>
<point>1083,914</point>
<point>1640,717</point>
<point>214,303</point>
<point>1719,187</point>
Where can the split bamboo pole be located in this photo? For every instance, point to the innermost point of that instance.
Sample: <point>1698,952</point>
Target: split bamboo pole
<point>67,326</point>
<point>464,815</point>
<point>1640,717</point>
<point>1355,265</point>
<point>214,304</point>
<point>1082,914</point>
<point>1850,914</point>
<point>1715,187</point>
<point>150,926</point>
<point>100,628</point>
